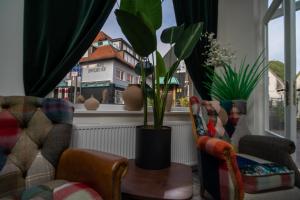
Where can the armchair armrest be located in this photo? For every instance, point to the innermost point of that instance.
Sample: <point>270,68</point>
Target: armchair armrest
<point>215,147</point>
<point>273,149</point>
<point>219,157</point>
<point>249,143</point>
<point>101,171</point>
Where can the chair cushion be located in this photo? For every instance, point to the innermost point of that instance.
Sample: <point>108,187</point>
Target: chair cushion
<point>209,118</point>
<point>40,126</point>
<point>199,125</point>
<point>60,190</point>
<point>260,175</point>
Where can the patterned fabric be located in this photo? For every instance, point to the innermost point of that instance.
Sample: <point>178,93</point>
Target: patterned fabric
<point>60,190</point>
<point>263,176</point>
<point>33,134</point>
<point>198,125</point>
<point>216,119</point>
<point>11,179</point>
<point>41,171</point>
<point>230,180</point>
<point>9,133</point>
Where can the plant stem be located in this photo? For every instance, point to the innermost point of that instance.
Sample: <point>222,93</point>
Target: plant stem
<point>143,85</point>
<point>154,94</point>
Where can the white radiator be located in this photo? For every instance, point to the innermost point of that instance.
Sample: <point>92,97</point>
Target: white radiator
<point>120,140</point>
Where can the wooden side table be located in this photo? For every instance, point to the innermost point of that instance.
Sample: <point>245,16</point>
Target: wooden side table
<point>173,183</point>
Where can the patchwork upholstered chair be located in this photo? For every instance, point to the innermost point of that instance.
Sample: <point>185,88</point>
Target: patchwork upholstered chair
<point>253,167</point>
<point>35,162</point>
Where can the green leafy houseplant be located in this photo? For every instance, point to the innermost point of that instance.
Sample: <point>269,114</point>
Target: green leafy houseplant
<point>139,20</point>
<point>234,84</point>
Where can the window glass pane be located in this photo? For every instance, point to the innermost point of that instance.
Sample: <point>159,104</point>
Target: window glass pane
<point>108,65</point>
<point>276,75</point>
<point>270,2</point>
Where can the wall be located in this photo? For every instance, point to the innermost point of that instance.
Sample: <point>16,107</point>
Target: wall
<point>240,26</point>
<point>11,47</point>
<point>120,66</point>
<point>106,75</point>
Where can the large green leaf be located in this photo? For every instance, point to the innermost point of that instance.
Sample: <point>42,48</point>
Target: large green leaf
<point>186,43</point>
<point>150,8</point>
<point>129,6</point>
<point>140,36</point>
<point>160,65</point>
<point>171,34</point>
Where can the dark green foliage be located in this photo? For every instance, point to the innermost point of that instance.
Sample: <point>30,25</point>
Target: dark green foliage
<point>278,68</point>
<point>142,39</point>
<point>139,20</point>
<point>172,34</point>
<point>235,84</point>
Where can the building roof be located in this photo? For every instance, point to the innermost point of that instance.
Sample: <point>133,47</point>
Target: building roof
<point>102,36</point>
<point>174,81</point>
<point>105,52</point>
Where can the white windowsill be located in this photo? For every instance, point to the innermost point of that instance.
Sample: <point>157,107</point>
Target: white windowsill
<point>114,114</point>
<point>119,109</point>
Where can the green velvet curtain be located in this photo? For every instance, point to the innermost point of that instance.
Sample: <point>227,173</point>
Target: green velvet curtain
<point>56,34</point>
<point>192,11</point>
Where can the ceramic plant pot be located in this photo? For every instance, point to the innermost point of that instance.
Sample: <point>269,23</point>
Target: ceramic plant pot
<point>133,97</point>
<point>153,147</point>
<point>80,99</point>
<point>91,103</point>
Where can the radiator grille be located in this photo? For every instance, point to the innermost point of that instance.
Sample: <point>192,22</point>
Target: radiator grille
<point>120,140</point>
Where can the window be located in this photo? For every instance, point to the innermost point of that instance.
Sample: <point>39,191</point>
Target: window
<point>112,47</point>
<point>119,75</point>
<point>117,45</point>
<point>283,45</point>
<point>137,80</point>
<point>129,78</point>
<point>118,97</point>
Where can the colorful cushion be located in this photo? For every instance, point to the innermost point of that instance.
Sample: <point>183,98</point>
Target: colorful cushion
<point>10,132</point>
<point>260,175</point>
<point>199,126</point>
<point>208,118</point>
<point>11,179</point>
<point>218,118</point>
<point>40,126</point>
<point>60,190</point>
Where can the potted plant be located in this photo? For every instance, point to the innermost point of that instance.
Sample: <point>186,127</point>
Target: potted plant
<point>232,89</point>
<point>139,20</point>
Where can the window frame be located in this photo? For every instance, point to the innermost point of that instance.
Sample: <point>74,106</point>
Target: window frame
<point>288,11</point>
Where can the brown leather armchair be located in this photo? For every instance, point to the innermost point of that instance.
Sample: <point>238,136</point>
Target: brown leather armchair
<point>35,161</point>
<point>99,170</point>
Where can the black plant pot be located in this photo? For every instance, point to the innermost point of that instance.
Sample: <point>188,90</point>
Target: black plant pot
<point>153,147</point>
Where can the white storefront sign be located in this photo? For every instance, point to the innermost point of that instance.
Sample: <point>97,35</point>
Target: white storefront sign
<point>97,73</point>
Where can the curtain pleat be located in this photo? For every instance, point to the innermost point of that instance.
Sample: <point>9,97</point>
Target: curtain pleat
<point>56,34</point>
<point>192,11</point>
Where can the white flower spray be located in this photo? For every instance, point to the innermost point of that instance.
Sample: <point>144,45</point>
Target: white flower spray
<point>215,54</point>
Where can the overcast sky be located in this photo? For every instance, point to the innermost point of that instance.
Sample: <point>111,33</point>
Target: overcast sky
<point>276,40</point>
<point>276,35</point>
<point>112,28</point>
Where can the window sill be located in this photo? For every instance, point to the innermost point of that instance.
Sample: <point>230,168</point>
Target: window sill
<point>119,109</point>
<point>107,113</point>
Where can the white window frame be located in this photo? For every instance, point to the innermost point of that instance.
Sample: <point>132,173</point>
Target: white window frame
<point>121,77</point>
<point>288,11</point>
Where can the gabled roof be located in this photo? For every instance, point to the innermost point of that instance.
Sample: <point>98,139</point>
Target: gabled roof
<point>103,53</point>
<point>102,36</point>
